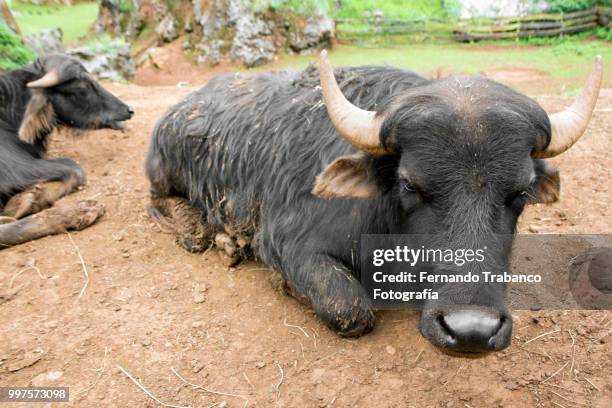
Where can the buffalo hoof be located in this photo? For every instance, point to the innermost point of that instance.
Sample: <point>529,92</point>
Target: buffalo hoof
<point>350,321</point>
<point>191,244</point>
<point>81,215</point>
<point>229,250</point>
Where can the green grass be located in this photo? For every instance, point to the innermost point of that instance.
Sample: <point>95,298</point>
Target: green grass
<point>395,9</point>
<point>558,69</point>
<point>13,53</point>
<point>74,21</point>
<point>392,9</point>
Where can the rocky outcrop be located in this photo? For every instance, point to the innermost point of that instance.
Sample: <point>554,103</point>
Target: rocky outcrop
<point>166,29</point>
<point>213,29</point>
<point>45,41</point>
<point>254,37</point>
<point>112,62</point>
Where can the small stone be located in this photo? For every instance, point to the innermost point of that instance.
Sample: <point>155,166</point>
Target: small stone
<point>199,292</point>
<point>390,350</point>
<point>146,342</point>
<point>54,375</point>
<point>534,228</point>
<point>197,325</point>
<point>29,359</point>
<point>260,364</point>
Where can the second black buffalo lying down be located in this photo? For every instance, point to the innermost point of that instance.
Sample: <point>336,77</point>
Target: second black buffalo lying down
<point>284,163</point>
<point>53,92</point>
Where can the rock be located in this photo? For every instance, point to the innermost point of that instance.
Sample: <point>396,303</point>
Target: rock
<point>253,43</point>
<point>534,228</point>
<point>154,56</point>
<point>108,61</point>
<point>166,29</point>
<point>7,295</point>
<point>46,379</point>
<point>390,350</point>
<point>199,292</point>
<point>317,32</point>
<point>30,358</point>
<point>46,42</point>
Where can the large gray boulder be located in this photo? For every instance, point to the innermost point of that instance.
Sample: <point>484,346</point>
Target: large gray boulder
<point>45,41</point>
<point>109,61</point>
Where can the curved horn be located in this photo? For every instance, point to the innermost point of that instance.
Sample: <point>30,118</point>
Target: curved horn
<point>569,125</point>
<point>50,79</point>
<point>359,127</point>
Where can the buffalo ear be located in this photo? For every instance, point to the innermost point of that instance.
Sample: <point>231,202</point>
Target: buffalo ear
<point>347,176</point>
<point>38,120</point>
<point>547,185</point>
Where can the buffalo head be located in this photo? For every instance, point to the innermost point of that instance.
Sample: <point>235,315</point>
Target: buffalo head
<point>64,94</point>
<point>456,159</point>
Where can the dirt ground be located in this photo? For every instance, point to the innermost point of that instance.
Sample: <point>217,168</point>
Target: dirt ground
<point>152,310</point>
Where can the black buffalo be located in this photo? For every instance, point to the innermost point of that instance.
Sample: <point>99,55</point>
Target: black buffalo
<point>283,163</point>
<point>53,92</point>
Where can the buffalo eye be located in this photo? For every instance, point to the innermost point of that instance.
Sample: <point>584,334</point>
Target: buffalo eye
<point>407,187</point>
<point>518,199</point>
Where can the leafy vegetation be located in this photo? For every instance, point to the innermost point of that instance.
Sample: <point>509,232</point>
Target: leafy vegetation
<point>604,33</point>
<point>74,20</point>
<point>567,6</point>
<point>13,53</point>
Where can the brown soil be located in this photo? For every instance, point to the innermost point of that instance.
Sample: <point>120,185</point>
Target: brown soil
<point>169,66</point>
<point>150,308</point>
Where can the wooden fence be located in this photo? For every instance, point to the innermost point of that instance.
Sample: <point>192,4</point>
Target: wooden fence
<point>472,29</point>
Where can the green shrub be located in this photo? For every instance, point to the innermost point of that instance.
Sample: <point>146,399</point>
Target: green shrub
<point>567,6</point>
<point>126,6</point>
<point>604,33</point>
<point>13,53</point>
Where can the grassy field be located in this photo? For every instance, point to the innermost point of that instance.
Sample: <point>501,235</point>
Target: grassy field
<point>563,66</point>
<point>75,20</point>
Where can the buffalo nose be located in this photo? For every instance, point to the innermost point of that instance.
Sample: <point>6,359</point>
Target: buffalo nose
<point>475,330</point>
<point>130,111</point>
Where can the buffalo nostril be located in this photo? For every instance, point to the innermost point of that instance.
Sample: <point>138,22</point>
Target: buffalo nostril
<point>475,330</point>
<point>447,330</point>
<point>130,110</point>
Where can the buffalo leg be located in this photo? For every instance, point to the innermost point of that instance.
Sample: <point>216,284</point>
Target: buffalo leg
<point>335,295</point>
<point>42,195</point>
<point>180,216</point>
<point>51,221</point>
